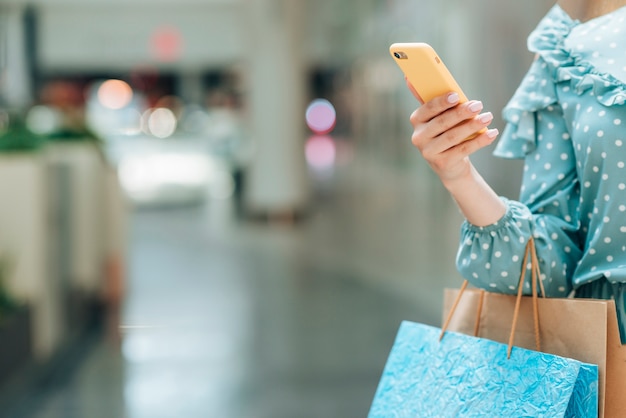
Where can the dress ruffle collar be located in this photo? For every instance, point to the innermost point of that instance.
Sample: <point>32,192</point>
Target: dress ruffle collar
<point>556,64</point>
<point>566,64</point>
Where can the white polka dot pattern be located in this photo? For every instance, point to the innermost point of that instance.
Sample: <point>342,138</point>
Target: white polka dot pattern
<point>565,120</point>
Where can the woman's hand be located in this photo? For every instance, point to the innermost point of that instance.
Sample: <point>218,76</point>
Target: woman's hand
<point>440,131</point>
<point>441,128</point>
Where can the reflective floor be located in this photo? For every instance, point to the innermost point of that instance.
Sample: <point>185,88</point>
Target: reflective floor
<point>230,318</point>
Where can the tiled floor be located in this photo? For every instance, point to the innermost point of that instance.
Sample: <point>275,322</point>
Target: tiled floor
<point>233,319</point>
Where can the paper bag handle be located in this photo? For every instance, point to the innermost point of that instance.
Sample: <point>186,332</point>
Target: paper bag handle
<point>535,277</point>
<point>479,310</point>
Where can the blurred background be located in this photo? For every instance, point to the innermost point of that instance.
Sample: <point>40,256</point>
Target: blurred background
<point>211,208</point>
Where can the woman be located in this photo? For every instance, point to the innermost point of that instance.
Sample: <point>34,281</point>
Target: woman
<point>568,121</point>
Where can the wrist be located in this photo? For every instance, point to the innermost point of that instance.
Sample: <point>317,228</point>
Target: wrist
<point>459,182</point>
<point>477,201</point>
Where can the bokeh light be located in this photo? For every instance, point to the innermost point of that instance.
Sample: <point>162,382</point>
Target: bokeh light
<point>115,94</point>
<point>321,116</point>
<point>62,94</point>
<point>195,119</point>
<point>145,175</point>
<point>161,122</point>
<point>166,43</point>
<point>321,152</point>
<point>43,120</point>
<point>171,102</point>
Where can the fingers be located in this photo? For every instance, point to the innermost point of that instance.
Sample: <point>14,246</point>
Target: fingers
<point>441,115</point>
<point>433,108</point>
<point>451,128</point>
<point>447,132</point>
<point>459,133</point>
<point>459,142</point>
<point>452,156</point>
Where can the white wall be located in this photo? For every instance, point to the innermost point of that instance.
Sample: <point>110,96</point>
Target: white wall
<point>115,34</point>
<point>100,37</point>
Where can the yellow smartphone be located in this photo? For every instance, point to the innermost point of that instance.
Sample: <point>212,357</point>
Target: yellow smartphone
<point>426,72</point>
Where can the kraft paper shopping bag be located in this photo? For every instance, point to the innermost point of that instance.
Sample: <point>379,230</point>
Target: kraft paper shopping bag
<point>583,329</point>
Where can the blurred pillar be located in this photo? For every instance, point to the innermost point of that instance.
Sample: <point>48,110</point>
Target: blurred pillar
<point>24,241</point>
<point>15,83</point>
<point>277,182</point>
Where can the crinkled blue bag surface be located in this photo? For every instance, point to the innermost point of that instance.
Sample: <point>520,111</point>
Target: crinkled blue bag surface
<point>465,376</point>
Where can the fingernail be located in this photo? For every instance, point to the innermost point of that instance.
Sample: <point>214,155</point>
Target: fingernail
<point>453,98</point>
<point>485,117</point>
<point>492,133</point>
<point>476,106</point>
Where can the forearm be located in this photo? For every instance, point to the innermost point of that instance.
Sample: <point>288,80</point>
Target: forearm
<point>477,201</point>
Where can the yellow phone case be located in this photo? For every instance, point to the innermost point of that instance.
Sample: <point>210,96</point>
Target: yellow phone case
<point>426,72</point>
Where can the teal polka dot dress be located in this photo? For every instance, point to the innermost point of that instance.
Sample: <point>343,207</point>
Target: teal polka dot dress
<point>567,120</point>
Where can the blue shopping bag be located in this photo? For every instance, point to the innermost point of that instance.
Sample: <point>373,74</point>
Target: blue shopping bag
<point>466,376</point>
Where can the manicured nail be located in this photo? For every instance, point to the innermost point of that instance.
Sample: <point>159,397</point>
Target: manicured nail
<point>476,106</point>
<point>453,98</point>
<point>492,133</point>
<point>485,117</point>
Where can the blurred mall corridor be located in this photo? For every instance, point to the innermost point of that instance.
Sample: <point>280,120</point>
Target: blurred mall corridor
<point>212,209</point>
<point>229,318</point>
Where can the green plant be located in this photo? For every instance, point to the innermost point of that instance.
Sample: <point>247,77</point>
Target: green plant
<point>18,138</point>
<point>81,134</point>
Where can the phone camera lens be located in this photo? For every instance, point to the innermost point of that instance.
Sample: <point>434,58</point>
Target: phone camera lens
<point>397,55</point>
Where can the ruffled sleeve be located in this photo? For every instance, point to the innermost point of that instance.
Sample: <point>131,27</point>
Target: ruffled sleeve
<point>537,90</point>
<point>534,93</point>
<point>491,257</point>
